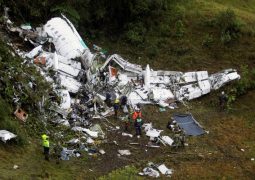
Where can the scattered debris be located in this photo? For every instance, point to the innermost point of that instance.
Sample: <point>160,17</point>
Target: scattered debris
<point>150,172</point>
<point>162,109</point>
<point>124,152</point>
<point>6,135</point>
<point>15,166</point>
<point>90,77</point>
<point>101,151</point>
<point>151,132</point>
<point>127,134</point>
<point>97,128</point>
<point>74,141</point>
<point>85,84</point>
<point>167,140</point>
<point>164,170</point>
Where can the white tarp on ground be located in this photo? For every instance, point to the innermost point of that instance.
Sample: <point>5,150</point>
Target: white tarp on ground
<point>6,135</point>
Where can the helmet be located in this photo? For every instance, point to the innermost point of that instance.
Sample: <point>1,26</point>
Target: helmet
<point>137,109</point>
<point>116,101</point>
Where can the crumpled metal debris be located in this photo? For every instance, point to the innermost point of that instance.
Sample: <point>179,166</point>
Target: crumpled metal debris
<point>87,83</point>
<point>148,171</point>
<point>124,152</point>
<point>164,170</point>
<point>6,135</point>
<point>152,172</point>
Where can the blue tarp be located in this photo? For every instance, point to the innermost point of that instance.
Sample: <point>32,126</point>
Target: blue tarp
<point>188,124</point>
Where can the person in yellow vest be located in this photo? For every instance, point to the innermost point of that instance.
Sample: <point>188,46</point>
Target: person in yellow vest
<point>46,146</point>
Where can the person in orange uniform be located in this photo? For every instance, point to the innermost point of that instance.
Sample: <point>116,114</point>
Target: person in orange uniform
<point>138,122</point>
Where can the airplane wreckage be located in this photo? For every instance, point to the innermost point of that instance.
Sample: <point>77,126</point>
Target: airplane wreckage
<point>87,79</point>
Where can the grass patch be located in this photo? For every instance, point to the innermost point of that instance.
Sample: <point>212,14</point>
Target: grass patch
<point>126,173</point>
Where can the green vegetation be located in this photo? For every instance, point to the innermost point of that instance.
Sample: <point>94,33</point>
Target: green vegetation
<point>21,85</point>
<point>126,173</point>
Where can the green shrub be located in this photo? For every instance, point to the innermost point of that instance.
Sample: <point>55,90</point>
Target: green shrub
<point>152,51</point>
<point>177,13</point>
<point>165,30</point>
<point>208,40</point>
<point>225,37</point>
<point>136,33</point>
<point>126,173</point>
<point>229,26</point>
<point>67,10</point>
<point>179,29</point>
<point>246,83</point>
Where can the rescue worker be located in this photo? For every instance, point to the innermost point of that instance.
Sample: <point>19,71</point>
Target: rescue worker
<point>137,113</point>
<point>116,107</point>
<point>138,122</point>
<point>57,152</point>
<point>108,100</point>
<point>46,146</point>
<point>177,139</point>
<point>172,125</point>
<point>182,138</point>
<point>123,104</point>
<point>127,122</point>
<point>223,98</point>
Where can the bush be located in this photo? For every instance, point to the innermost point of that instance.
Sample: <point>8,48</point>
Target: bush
<point>246,83</point>
<point>229,26</point>
<point>225,37</point>
<point>152,51</point>
<point>208,40</point>
<point>179,29</point>
<point>178,13</point>
<point>126,173</point>
<point>135,34</point>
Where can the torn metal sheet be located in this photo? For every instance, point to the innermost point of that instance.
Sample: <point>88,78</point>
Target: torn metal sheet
<point>71,84</point>
<point>164,170</point>
<point>73,141</point>
<point>6,135</point>
<point>148,171</point>
<point>124,152</point>
<point>36,51</point>
<point>167,140</point>
<point>91,133</point>
<point>97,128</point>
<point>127,134</point>
<point>125,65</point>
<point>150,131</point>
<point>65,99</point>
